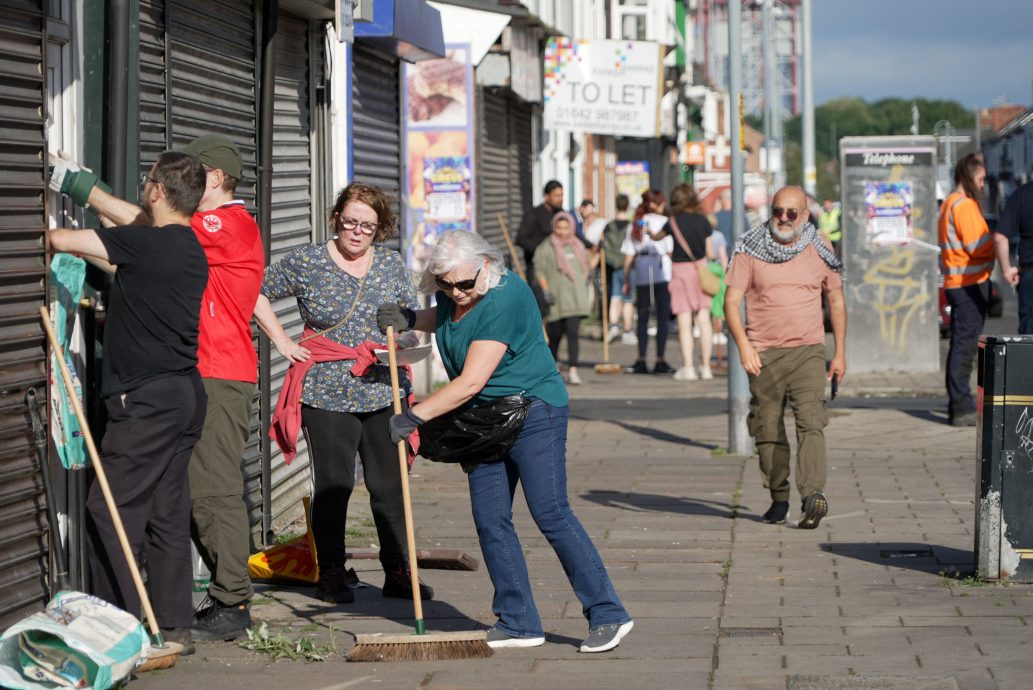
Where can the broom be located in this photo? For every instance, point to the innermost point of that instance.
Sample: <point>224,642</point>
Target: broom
<point>606,367</point>
<point>419,645</point>
<point>163,653</point>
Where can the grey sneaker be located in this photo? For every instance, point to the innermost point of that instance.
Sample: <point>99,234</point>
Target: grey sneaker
<point>501,640</point>
<point>603,638</point>
<point>815,507</point>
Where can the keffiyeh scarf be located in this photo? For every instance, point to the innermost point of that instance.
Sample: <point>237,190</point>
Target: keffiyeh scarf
<point>760,244</point>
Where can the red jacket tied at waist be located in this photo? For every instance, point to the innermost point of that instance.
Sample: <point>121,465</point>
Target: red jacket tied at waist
<point>286,424</point>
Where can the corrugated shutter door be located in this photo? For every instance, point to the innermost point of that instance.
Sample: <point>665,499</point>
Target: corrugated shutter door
<point>213,91</point>
<point>493,178</point>
<point>23,545</point>
<point>520,158</point>
<point>291,223</point>
<point>376,128</point>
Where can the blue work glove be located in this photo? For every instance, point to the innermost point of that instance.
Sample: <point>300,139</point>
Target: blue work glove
<point>392,314</point>
<point>68,177</point>
<point>402,425</point>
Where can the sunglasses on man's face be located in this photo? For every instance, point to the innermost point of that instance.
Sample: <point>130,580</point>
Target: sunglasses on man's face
<point>464,285</point>
<point>790,213</point>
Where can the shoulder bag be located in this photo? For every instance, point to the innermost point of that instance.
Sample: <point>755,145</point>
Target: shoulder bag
<point>475,435</point>
<point>708,281</point>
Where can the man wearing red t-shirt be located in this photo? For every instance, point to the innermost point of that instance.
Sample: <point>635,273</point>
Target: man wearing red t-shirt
<point>228,365</point>
<point>782,267</point>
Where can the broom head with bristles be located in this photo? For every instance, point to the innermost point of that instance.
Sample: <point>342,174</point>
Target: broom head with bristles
<point>162,657</point>
<point>426,647</point>
<point>608,368</point>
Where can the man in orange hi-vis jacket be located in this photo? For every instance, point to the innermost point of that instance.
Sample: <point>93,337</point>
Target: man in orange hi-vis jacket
<point>967,252</point>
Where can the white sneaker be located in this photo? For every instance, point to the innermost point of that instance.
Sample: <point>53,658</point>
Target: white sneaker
<point>499,640</point>
<point>685,374</point>
<point>573,379</point>
<point>629,338</point>
<point>651,331</point>
<point>695,331</point>
<point>720,339</point>
<point>705,373</point>
<point>614,333</point>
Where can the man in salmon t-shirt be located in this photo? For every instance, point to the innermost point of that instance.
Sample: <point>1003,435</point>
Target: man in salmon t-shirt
<point>228,365</point>
<point>782,267</point>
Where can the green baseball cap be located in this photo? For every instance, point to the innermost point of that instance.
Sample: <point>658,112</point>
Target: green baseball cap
<point>217,151</point>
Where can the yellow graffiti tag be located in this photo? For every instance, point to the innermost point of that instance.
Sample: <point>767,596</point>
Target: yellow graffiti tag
<point>898,296</point>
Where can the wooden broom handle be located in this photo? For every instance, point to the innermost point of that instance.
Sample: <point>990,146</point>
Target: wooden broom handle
<point>403,467</point>
<point>102,478</point>
<point>512,249</point>
<point>606,304</point>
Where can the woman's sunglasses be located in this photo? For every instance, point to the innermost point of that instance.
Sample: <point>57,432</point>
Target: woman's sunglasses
<point>464,285</point>
<point>790,213</point>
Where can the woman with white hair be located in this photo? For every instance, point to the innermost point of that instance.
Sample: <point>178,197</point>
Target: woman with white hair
<point>489,334</point>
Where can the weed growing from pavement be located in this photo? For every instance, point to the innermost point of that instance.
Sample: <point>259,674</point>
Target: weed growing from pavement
<point>719,452</point>
<point>282,647</point>
<point>285,537</point>
<point>954,577</point>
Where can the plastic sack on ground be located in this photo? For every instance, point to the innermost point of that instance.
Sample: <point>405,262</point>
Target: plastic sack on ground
<point>291,562</point>
<point>78,641</point>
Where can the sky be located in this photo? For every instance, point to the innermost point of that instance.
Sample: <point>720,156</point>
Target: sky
<point>976,52</point>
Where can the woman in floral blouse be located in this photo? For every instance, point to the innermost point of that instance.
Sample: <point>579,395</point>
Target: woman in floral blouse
<point>335,388</point>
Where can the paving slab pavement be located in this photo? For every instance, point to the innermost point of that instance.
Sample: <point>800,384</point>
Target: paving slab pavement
<point>879,596</point>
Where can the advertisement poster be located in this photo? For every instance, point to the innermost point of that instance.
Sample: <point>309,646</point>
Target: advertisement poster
<point>439,149</point>
<point>888,213</point>
<point>603,87</point>
<point>632,178</point>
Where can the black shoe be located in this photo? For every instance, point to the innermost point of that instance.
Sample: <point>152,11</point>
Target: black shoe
<point>334,585</point>
<point>218,622</point>
<point>180,636</point>
<point>662,368</point>
<point>815,507</point>
<point>776,514</point>
<point>640,367</point>
<point>398,584</point>
<point>965,419</point>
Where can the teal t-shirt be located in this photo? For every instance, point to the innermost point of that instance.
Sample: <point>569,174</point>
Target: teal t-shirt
<point>508,314</point>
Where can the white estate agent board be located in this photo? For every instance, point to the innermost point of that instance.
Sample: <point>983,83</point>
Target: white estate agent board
<point>603,87</point>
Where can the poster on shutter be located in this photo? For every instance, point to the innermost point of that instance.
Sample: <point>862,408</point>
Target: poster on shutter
<point>632,179</point>
<point>603,87</point>
<point>438,150</point>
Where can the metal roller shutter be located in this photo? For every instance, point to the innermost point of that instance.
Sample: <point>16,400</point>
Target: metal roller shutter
<point>376,128</point>
<point>493,178</point>
<point>23,282</point>
<point>292,220</point>
<point>520,158</point>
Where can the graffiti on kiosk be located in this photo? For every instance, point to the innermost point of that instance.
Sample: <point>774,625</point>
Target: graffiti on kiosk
<point>895,294</point>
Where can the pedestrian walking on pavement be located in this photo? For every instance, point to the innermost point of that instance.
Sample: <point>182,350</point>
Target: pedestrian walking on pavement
<point>693,247</point>
<point>1016,223</point>
<point>610,241</point>
<point>229,369</point>
<point>335,389</point>
<point>154,398</point>
<point>534,229</point>
<point>564,274</point>
<point>651,261</point>
<point>967,252</point>
<point>489,335</point>
<point>782,267</point>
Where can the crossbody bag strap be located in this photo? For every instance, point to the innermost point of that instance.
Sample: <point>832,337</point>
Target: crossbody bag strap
<point>681,239</point>
<point>355,303</point>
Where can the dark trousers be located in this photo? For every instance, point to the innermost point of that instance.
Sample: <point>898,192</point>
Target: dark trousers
<point>1026,301</point>
<point>968,314</point>
<point>333,439</point>
<point>150,435</point>
<point>657,295</point>
<point>219,523</point>
<point>564,327</point>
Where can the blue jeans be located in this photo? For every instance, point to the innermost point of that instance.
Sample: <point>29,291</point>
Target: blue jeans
<point>538,461</point>
<point>1026,302</point>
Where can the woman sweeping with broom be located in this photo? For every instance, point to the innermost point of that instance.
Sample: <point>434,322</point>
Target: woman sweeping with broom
<point>489,334</point>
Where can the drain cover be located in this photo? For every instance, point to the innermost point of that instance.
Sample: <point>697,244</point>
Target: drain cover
<point>750,632</point>
<point>907,553</point>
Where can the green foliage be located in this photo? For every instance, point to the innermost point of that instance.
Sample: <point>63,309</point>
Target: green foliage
<point>281,647</point>
<point>854,117</point>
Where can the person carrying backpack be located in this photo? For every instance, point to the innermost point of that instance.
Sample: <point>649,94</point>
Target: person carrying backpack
<point>610,241</point>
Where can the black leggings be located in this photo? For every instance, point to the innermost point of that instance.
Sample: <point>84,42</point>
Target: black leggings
<point>333,439</point>
<point>643,298</point>
<point>557,329</point>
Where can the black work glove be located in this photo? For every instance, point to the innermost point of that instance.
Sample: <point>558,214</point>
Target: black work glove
<point>392,314</point>
<point>402,425</point>
<point>548,297</point>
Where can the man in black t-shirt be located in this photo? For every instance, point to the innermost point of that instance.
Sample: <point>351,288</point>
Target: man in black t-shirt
<point>1016,224</point>
<point>153,393</point>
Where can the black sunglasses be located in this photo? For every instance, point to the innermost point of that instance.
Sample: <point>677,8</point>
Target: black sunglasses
<point>464,285</point>
<point>790,213</point>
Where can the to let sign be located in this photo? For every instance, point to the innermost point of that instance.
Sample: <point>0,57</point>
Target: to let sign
<point>603,87</point>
